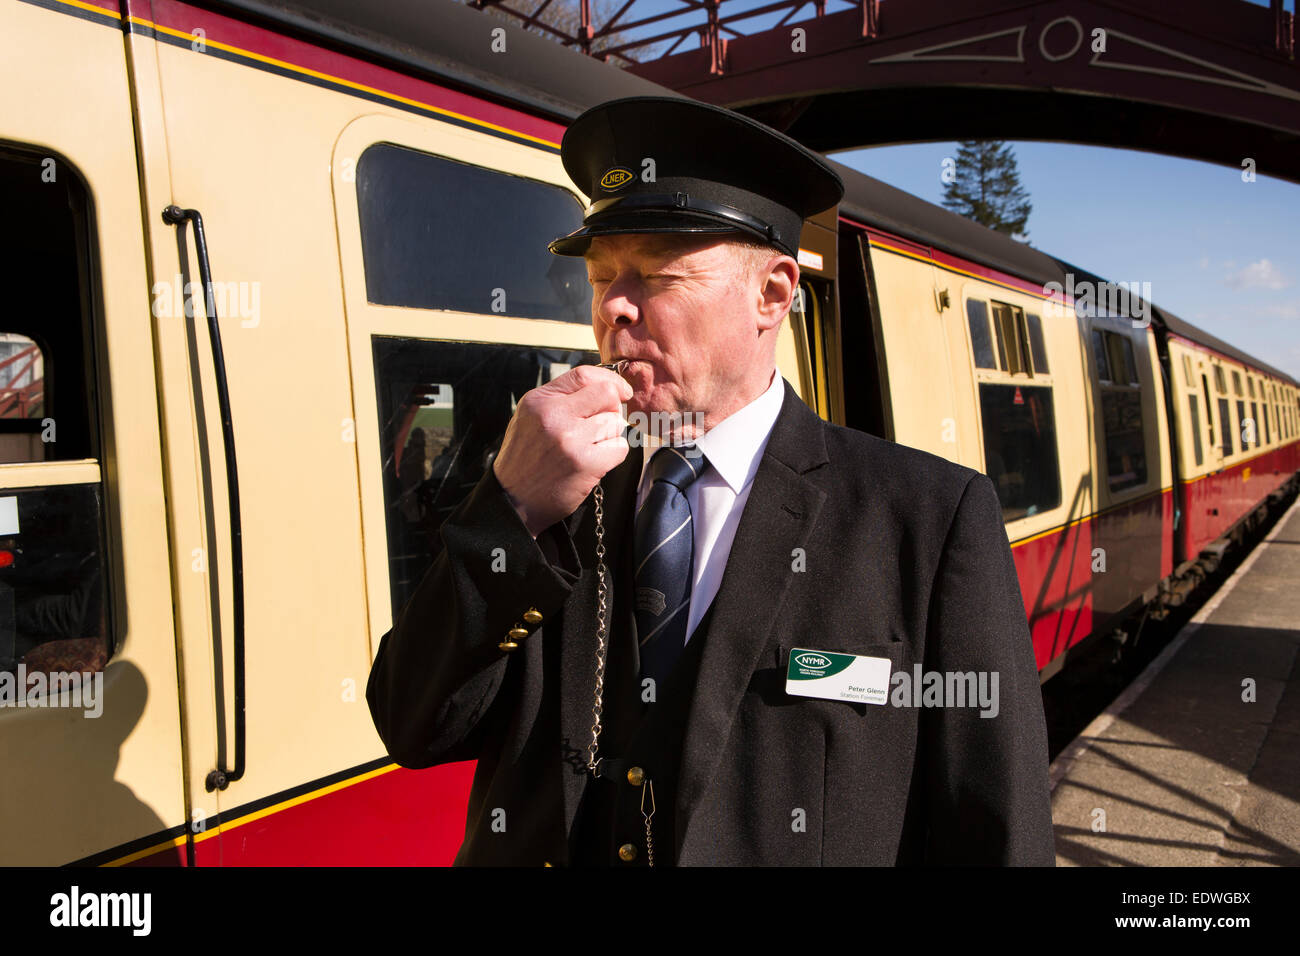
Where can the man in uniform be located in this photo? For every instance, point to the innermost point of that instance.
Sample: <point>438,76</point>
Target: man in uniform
<point>698,646</point>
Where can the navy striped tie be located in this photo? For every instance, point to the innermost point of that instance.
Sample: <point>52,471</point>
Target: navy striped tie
<point>665,552</point>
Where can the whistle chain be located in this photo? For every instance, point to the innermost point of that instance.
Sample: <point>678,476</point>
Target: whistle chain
<point>602,626</point>
<point>602,646</point>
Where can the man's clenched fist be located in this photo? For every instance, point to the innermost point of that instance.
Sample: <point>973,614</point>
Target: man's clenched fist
<point>564,437</point>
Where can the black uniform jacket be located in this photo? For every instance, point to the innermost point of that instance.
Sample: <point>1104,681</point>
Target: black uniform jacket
<point>848,543</point>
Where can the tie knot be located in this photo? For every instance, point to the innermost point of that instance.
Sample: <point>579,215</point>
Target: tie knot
<point>677,466</point>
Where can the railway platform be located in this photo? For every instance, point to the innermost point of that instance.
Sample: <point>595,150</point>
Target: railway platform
<point>1197,763</point>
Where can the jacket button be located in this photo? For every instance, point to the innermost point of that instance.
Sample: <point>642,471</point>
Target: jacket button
<point>548,864</point>
<point>627,853</point>
<point>636,776</point>
<point>517,633</point>
<point>532,616</point>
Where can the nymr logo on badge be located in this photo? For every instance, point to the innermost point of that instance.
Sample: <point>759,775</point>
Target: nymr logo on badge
<point>615,177</point>
<point>838,676</point>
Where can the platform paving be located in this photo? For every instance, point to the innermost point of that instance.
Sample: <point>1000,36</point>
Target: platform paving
<point>1185,769</point>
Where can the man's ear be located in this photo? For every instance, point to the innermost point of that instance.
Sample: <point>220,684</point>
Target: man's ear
<point>776,294</point>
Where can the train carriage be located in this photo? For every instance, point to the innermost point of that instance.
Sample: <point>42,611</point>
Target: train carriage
<point>215,504</point>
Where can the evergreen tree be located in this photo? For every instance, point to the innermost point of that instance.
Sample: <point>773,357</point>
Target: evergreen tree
<point>987,187</point>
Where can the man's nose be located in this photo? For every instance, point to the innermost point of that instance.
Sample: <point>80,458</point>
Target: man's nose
<point>620,305</point>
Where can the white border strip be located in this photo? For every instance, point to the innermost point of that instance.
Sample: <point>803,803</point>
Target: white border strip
<point>1077,747</point>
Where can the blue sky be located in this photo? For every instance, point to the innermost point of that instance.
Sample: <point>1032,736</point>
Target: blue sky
<point>1220,253</point>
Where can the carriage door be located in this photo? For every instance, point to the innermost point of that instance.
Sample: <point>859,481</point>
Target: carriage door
<point>815,321</point>
<point>90,739</point>
<point>455,309</point>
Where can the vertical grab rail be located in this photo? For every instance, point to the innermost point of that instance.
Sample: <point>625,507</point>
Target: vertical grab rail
<point>221,777</point>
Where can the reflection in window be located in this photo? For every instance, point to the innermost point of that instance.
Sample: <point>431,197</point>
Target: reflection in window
<point>1121,410</point>
<point>54,613</point>
<point>440,234</point>
<point>1036,347</point>
<point>1209,409</point>
<point>45,326</point>
<point>1195,421</point>
<point>443,410</point>
<point>1224,426</point>
<point>1123,370</point>
<point>981,343</point>
<point>22,377</point>
<point>1126,461</point>
<point>1020,447</point>
<point>52,598</point>
<point>1100,355</point>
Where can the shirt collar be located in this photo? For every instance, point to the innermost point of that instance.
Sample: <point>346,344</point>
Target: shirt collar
<point>735,445</point>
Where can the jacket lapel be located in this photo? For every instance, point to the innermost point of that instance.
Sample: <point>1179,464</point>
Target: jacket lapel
<point>578,637</point>
<point>779,516</point>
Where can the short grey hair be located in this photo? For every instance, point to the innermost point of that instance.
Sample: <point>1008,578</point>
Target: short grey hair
<point>753,252</point>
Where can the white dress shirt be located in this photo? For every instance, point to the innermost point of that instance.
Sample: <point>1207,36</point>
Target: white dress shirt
<point>717,498</point>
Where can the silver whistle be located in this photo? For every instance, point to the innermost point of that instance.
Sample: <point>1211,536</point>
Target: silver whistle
<point>614,366</point>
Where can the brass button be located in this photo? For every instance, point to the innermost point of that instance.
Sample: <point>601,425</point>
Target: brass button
<point>636,776</point>
<point>508,645</point>
<point>532,616</point>
<point>547,863</point>
<point>517,633</point>
<point>627,853</point>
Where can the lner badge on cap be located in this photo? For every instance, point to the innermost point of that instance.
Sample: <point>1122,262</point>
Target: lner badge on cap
<point>616,177</point>
<point>838,676</point>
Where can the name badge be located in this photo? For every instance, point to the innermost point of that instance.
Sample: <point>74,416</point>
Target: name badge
<point>838,676</point>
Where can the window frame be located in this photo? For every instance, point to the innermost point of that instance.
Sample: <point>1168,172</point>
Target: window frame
<point>1016,324</point>
<point>1117,344</point>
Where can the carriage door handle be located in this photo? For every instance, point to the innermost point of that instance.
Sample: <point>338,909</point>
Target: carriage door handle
<point>221,777</point>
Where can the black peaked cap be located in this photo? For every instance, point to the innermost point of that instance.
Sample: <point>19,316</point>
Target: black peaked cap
<point>714,171</point>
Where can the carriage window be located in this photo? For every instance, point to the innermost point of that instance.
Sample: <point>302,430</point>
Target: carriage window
<point>1195,421</point>
<point>1224,426</point>
<point>1126,460</point>
<point>1121,408</point>
<point>1267,437</point>
<point>440,234</point>
<point>1220,383</point>
<point>1236,383</point>
<point>1020,447</point>
<point>981,343</point>
<point>1013,347</point>
<point>1209,409</point>
<point>22,399</point>
<point>53,595</point>
<point>443,410</point>
<point>1241,424</point>
<point>1123,370</point>
<point>1254,424</point>
<point>1100,356</point>
<point>1036,347</point>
